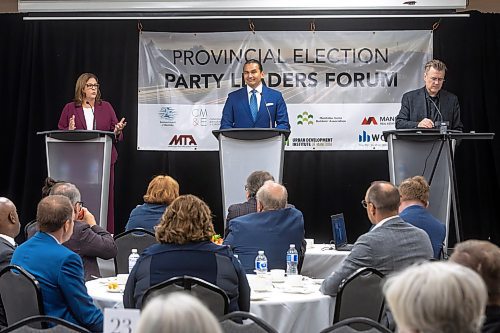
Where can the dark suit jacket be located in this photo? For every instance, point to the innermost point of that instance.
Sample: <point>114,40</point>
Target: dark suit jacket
<point>6,250</point>
<point>272,231</point>
<point>60,274</point>
<point>104,115</point>
<point>388,248</point>
<point>421,218</point>
<point>240,209</point>
<point>414,109</point>
<point>237,114</point>
<point>89,243</point>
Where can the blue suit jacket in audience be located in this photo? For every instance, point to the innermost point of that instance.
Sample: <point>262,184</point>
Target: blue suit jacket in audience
<point>272,231</point>
<point>60,274</point>
<point>145,216</point>
<point>421,218</point>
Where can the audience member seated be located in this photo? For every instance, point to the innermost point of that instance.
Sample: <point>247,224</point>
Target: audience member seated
<point>177,313</point>
<point>414,194</point>
<point>436,297</point>
<point>9,229</point>
<point>484,258</point>
<point>391,245</point>
<point>89,240</point>
<point>254,182</point>
<point>58,269</point>
<point>272,229</point>
<point>162,190</point>
<point>185,248</point>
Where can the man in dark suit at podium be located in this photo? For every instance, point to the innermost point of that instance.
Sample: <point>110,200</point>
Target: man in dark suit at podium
<point>255,105</point>
<point>423,107</point>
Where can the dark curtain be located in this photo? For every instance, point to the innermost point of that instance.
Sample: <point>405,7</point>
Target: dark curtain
<point>40,61</point>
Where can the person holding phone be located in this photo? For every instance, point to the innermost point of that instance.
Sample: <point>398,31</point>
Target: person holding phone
<point>89,112</point>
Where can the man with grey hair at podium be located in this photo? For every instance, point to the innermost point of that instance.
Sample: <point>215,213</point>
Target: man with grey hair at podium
<point>426,106</point>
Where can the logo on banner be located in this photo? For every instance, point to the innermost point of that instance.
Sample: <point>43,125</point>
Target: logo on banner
<point>182,140</point>
<point>365,137</point>
<point>200,117</point>
<point>387,120</point>
<point>305,118</point>
<point>167,116</point>
<point>369,121</point>
<point>312,142</point>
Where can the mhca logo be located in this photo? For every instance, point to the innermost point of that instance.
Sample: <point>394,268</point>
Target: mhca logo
<point>183,140</point>
<point>365,137</point>
<point>369,121</point>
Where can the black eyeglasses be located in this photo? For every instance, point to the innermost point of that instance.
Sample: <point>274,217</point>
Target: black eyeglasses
<point>92,86</point>
<point>80,202</point>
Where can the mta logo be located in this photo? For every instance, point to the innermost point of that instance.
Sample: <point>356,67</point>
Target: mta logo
<point>369,121</point>
<point>365,137</point>
<point>183,140</point>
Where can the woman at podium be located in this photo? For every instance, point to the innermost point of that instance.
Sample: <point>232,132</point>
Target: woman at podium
<point>89,112</point>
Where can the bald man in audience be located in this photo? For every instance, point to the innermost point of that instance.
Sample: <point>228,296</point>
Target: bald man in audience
<point>414,193</point>
<point>391,245</point>
<point>272,228</point>
<point>58,269</point>
<point>89,240</point>
<point>484,258</point>
<point>9,229</point>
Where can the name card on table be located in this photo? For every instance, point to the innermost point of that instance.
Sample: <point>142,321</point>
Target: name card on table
<point>121,320</point>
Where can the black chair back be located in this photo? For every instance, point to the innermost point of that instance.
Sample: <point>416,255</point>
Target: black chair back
<point>234,323</point>
<point>126,241</point>
<point>211,295</point>
<point>21,294</point>
<point>356,324</point>
<point>57,325</point>
<point>360,295</point>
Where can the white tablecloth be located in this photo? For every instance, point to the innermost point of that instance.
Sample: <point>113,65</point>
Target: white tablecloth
<point>310,311</point>
<point>320,261</point>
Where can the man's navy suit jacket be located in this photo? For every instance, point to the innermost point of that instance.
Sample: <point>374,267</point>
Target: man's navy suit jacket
<point>414,109</point>
<point>272,231</point>
<point>237,114</point>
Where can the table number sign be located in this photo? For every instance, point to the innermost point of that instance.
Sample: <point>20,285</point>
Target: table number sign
<point>120,320</point>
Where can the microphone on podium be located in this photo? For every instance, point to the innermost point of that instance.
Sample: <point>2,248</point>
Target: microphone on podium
<point>268,113</point>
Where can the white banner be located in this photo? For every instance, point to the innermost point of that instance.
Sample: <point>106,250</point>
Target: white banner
<point>342,89</point>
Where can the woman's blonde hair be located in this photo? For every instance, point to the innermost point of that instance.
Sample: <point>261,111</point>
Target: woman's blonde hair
<point>80,86</point>
<point>187,219</point>
<point>177,313</point>
<point>162,190</point>
<point>437,297</point>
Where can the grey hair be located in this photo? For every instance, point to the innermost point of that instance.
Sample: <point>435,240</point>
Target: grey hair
<point>177,313</point>
<point>68,190</point>
<point>437,297</point>
<point>272,196</point>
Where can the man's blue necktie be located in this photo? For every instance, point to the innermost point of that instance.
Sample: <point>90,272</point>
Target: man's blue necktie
<point>253,105</point>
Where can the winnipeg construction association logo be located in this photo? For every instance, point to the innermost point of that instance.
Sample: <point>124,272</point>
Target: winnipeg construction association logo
<point>305,118</point>
<point>183,140</point>
<point>167,116</point>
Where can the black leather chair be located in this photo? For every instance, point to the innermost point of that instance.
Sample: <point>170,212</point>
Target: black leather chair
<point>356,324</point>
<point>360,295</point>
<point>56,325</point>
<point>126,241</point>
<point>211,295</point>
<point>21,294</point>
<point>244,322</point>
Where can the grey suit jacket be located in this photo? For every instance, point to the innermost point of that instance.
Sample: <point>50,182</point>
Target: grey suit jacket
<point>414,109</point>
<point>388,248</point>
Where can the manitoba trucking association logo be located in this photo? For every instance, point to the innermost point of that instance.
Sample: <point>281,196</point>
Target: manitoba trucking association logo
<point>182,140</point>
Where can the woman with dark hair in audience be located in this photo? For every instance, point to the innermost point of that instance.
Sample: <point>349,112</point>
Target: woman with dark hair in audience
<point>162,190</point>
<point>185,248</point>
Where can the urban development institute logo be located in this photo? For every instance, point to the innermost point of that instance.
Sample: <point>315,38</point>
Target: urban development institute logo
<point>305,118</point>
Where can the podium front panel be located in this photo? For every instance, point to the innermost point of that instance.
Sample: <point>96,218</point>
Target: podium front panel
<point>408,158</point>
<point>239,158</point>
<point>85,164</point>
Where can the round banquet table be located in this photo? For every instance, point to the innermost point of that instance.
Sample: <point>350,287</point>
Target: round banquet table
<point>321,260</point>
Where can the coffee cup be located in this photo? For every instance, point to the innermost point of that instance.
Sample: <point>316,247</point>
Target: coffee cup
<point>277,275</point>
<point>309,242</point>
<point>294,280</point>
